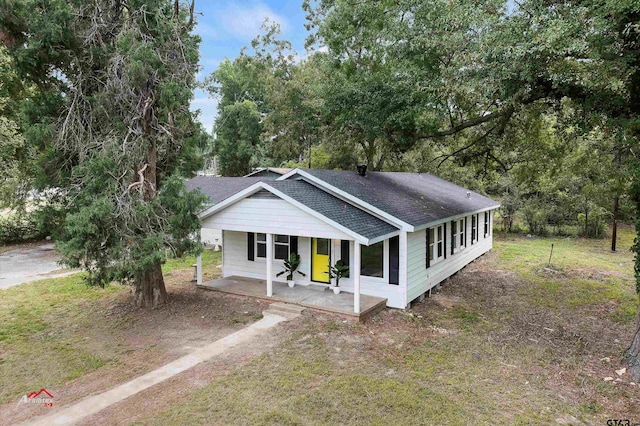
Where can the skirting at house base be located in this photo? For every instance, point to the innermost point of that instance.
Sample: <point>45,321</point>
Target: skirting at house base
<point>313,297</point>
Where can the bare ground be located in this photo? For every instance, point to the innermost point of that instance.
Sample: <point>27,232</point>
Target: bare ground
<point>138,341</point>
<point>489,340</point>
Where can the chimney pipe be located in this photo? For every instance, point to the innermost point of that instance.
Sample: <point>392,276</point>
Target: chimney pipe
<point>362,169</point>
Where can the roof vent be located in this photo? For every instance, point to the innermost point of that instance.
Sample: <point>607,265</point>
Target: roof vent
<point>468,194</point>
<point>362,169</point>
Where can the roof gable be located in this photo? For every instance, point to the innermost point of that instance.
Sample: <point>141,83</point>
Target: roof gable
<point>345,217</point>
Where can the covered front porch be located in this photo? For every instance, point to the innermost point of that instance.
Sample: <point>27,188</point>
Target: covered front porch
<point>310,296</point>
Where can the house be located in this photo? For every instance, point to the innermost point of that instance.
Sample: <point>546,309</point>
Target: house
<point>213,237</point>
<point>400,233</point>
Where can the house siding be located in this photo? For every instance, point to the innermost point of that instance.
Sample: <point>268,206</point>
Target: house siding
<point>235,262</point>
<point>274,216</point>
<point>420,278</point>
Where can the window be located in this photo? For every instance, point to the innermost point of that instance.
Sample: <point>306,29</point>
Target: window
<point>322,246</point>
<point>474,228</point>
<point>372,260</point>
<point>261,245</point>
<point>432,242</point>
<point>436,244</point>
<point>281,247</point>
<point>394,260</point>
<point>345,254</point>
<point>457,235</point>
<point>486,224</point>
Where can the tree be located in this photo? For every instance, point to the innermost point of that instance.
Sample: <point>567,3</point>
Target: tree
<point>238,138</point>
<point>477,67</point>
<point>124,131</point>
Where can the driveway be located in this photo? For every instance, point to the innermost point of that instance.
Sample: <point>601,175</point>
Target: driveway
<point>29,263</point>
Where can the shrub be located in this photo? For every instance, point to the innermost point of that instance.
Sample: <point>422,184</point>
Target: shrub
<point>19,227</point>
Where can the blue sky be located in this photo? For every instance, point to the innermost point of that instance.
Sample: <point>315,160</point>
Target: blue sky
<point>227,26</point>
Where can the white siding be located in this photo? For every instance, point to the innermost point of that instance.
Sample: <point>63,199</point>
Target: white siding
<point>380,287</point>
<point>420,278</point>
<point>211,237</point>
<point>235,261</point>
<point>271,215</point>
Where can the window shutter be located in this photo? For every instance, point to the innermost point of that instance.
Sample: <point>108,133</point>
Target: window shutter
<point>466,234</point>
<point>251,246</point>
<point>394,260</point>
<point>453,238</point>
<point>427,250</point>
<point>444,239</point>
<point>345,254</point>
<point>293,244</point>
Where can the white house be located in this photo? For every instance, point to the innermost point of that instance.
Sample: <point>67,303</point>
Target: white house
<point>400,233</point>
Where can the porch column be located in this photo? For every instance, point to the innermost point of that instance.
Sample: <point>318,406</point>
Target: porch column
<point>356,277</point>
<point>199,269</point>
<point>269,264</point>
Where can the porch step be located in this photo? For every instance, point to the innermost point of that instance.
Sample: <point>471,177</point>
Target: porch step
<point>285,309</point>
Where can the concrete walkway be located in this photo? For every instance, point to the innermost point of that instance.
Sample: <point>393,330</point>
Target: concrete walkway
<point>93,404</point>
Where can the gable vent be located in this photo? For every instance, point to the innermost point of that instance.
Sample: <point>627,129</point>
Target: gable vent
<point>263,193</point>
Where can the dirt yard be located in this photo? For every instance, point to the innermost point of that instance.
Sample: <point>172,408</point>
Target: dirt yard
<point>94,339</point>
<point>507,340</point>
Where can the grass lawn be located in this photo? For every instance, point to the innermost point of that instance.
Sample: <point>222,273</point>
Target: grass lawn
<point>55,333</point>
<point>506,341</point>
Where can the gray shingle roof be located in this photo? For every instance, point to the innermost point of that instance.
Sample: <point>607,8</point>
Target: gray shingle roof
<point>414,198</point>
<point>220,188</point>
<point>358,221</point>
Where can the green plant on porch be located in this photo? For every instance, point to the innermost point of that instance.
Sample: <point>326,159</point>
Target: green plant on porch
<point>290,266</point>
<point>337,271</point>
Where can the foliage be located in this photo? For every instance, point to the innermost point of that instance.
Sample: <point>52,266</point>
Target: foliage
<point>337,271</point>
<point>127,72</point>
<point>19,227</point>
<point>291,266</point>
<point>238,141</point>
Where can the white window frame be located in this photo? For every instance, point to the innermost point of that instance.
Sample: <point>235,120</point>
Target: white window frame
<point>264,242</point>
<point>434,242</point>
<point>385,265</point>
<point>458,237</point>
<point>258,242</point>
<point>474,228</point>
<point>276,243</point>
<point>487,224</point>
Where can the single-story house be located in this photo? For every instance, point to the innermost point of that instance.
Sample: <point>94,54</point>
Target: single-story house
<point>213,237</point>
<point>401,234</point>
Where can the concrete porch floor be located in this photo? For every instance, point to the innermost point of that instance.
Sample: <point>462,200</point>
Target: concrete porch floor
<point>313,297</point>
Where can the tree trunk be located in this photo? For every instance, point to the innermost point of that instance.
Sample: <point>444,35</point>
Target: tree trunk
<point>150,291</point>
<point>632,355</point>
<point>614,231</point>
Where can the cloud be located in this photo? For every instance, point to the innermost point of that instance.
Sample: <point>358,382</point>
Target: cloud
<point>245,22</point>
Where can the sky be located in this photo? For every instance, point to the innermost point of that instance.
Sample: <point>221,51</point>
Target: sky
<point>227,26</point>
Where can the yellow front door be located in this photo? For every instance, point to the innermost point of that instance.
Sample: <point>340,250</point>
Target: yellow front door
<point>320,260</point>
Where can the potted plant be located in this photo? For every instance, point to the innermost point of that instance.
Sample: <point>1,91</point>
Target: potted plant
<point>290,266</point>
<point>337,271</point>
